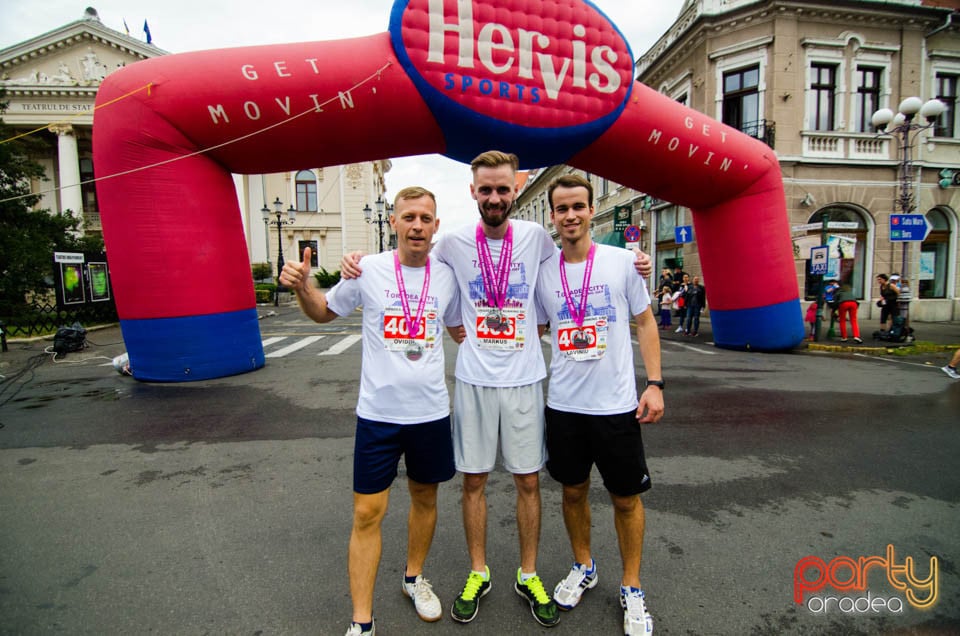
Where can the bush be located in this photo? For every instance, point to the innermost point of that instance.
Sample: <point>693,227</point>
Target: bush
<point>264,296</point>
<point>325,279</point>
<point>261,271</point>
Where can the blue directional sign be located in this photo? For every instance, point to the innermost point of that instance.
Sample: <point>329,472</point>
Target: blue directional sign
<point>908,227</point>
<point>683,233</point>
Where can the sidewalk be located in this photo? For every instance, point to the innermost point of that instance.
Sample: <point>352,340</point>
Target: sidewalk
<point>945,335</point>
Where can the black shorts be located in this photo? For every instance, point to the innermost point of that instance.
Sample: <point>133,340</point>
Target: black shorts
<point>575,442</point>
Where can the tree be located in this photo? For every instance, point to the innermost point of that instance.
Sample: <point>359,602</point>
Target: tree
<point>29,237</point>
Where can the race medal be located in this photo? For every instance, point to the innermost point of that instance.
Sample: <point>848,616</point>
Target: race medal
<point>413,351</point>
<point>580,340</point>
<point>496,280</point>
<point>495,320</point>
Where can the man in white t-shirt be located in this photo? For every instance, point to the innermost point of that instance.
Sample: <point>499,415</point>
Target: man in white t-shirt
<point>589,295</point>
<point>403,408</point>
<point>499,372</point>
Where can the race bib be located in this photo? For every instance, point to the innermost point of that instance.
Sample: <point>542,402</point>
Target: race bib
<point>583,343</point>
<point>396,334</point>
<point>501,330</point>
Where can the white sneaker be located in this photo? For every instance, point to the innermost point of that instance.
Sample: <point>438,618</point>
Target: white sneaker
<point>355,630</point>
<point>679,329</point>
<point>636,620</point>
<point>570,590</point>
<point>951,372</point>
<point>426,602</point>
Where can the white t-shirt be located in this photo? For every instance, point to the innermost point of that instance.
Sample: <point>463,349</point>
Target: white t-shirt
<point>509,356</point>
<point>393,387</point>
<point>597,377</point>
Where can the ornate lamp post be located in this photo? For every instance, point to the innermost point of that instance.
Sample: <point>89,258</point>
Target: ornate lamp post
<point>905,129</point>
<point>368,216</point>
<point>279,222</point>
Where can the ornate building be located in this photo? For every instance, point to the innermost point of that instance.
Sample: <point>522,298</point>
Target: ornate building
<point>50,82</point>
<point>805,77</point>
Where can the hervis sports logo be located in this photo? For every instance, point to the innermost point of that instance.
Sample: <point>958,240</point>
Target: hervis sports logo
<point>549,82</point>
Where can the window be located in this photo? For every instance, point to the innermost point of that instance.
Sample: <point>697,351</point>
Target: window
<point>314,252</point>
<point>741,99</point>
<point>947,93</point>
<point>306,191</point>
<point>935,256</point>
<point>823,86</point>
<point>88,190</point>
<point>868,97</point>
<point>847,252</point>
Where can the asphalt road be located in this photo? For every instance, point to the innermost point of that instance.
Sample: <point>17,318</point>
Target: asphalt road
<point>224,506</point>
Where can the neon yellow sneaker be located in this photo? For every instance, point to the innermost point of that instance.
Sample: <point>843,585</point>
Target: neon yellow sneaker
<point>543,608</point>
<point>467,604</point>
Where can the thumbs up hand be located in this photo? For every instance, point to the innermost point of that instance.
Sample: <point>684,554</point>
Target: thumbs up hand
<point>296,275</point>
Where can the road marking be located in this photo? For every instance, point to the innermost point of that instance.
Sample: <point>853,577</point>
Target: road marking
<point>270,341</point>
<point>299,344</point>
<point>340,347</point>
<point>912,364</point>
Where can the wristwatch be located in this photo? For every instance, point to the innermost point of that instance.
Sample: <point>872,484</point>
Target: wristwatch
<point>657,383</point>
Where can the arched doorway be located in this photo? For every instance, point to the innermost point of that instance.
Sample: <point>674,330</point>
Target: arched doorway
<point>847,232</point>
<point>936,257</point>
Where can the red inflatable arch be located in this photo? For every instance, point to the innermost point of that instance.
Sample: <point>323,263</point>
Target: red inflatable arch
<point>549,80</point>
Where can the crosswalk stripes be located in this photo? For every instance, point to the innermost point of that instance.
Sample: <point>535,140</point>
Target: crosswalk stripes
<point>341,346</point>
<point>299,344</point>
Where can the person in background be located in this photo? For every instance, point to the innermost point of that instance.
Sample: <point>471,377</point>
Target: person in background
<point>951,367</point>
<point>847,308</point>
<point>696,301</point>
<point>665,295</point>
<point>888,301</point>
<point>680,301</point>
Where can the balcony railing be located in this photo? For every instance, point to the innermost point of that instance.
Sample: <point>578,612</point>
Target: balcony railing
<point>843,145</point>
<point>762,129</point>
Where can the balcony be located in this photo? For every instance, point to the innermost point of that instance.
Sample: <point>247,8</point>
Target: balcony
<point>762,129</point>
<point>845,146</point>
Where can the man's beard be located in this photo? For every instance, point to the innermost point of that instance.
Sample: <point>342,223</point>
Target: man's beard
<point>496,221</point>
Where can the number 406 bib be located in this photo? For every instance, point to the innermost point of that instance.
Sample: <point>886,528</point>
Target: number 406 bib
<point>583,343</point>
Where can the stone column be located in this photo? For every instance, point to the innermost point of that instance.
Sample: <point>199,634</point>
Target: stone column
<point>71,198</point>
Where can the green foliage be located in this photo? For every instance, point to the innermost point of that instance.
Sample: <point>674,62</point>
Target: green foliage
<point>325,279</point>
<point>263,296</point>
<point>261,271</point>
<point>28,237</point>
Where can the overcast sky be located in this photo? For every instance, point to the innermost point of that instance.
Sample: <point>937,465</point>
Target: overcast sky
<point>178,26</point>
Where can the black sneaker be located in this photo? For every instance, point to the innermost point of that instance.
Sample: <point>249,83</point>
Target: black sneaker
<point>543,608</point>
<point>467,604</point>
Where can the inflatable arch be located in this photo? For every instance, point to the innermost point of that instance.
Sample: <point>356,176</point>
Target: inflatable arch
<point>551,80</point>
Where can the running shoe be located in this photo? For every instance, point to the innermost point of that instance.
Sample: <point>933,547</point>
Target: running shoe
<point>467,604</point>
<point>636,620</point>
<point>543,608</point>
<point>356,630</point>
<point>570,590</point>
<point>951,372</point>
<point>424,600</point>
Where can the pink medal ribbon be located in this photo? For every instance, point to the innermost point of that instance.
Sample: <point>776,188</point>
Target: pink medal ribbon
<point>495,282</point>
<point>578,313</point>
<point>413,328</point>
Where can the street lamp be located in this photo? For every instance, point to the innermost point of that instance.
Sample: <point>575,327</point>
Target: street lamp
<point>368,216</point>
<point>905,130</point>
<point>279,222</point>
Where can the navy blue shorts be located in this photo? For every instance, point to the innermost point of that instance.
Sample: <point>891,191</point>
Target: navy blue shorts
<point>576,442</point>
<point>427,450</point>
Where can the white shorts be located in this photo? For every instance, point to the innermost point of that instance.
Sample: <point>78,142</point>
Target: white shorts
<point>482,415</point>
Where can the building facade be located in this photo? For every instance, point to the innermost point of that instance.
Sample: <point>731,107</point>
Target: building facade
<point>806,77</point>
<point>50,83</point>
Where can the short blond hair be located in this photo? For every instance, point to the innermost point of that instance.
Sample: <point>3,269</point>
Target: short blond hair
<point>414,192</point>
<point>495,159</point>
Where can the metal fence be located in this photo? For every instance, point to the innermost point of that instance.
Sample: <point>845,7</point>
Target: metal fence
<point>45,318</point>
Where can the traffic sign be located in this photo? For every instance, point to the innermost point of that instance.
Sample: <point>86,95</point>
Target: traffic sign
<point>909,227</point>
<point>632,234</point>
<point>819,259</point>
<point>683,233</point>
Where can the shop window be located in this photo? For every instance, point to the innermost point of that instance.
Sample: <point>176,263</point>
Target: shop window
<point>935,257</point>
<point>847,250</point>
